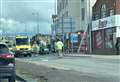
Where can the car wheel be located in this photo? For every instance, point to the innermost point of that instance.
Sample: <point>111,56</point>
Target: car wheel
<point>11,79</point>
<point>30,55</point>
<point>16,55</point>
<point>25,55</point>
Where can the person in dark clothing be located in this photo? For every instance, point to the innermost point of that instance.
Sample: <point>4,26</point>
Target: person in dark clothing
<point>117,45</point>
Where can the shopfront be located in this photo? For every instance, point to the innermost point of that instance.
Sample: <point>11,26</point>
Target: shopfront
<point>104,34</point>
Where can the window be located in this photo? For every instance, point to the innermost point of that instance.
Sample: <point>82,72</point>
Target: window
<point>83,13</point>
<point>66,14</point>
<point>109,38</point>
<point>21,41</point>
<point>58,8</point>
<point>111,12</point>
<point>82,0</point>
<point>98,39</point>
<point>103,11</point>
<point>62,4</point>
<point>96,16</point>
<point>66,2</point>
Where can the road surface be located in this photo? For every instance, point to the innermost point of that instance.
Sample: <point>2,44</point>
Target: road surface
<point>71,69</point>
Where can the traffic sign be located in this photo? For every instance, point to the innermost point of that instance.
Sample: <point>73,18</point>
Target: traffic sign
<point>74,37</point>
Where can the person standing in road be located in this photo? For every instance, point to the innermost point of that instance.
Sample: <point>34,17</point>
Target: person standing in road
<point>35,49</point>
<point>59,46</point>
<point>117,45</point>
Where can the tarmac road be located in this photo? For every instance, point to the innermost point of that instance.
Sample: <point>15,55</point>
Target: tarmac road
<point>70,69</point>
<point>18,79</point>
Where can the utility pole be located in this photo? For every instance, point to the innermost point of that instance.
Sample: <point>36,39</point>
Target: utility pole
<point>55,7</point>
<point>26,29</point>
<point>1,6</point>
<point>71,32</point>
<point>62,30</point>
<point>37,20</point>
<point>87,27</point>
<point>90,27</point>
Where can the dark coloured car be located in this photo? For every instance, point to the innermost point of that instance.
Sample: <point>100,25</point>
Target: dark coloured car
<point>7,63</point>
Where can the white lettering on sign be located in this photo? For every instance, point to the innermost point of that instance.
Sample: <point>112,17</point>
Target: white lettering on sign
<point>102,24</point>
<point>108,22</point>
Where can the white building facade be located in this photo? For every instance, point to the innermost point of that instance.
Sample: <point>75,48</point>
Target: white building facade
<point>78,10</point>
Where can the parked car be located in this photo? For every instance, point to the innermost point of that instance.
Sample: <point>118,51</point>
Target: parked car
<point>44,50</point>
<point>7,63</point>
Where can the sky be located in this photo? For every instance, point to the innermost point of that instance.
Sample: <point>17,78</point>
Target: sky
<point>22,16</point>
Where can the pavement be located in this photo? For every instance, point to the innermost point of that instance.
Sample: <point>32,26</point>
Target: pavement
<point>82,68</point>
<point>94,55</point>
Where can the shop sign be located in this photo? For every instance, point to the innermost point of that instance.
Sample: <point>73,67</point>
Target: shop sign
<point>117,20</point>
<point>1,32</point>
<point>67,36</point>
<point>107,22</point>
<point>74,38</point>
<point>118,32</point>
<point>102,24</point>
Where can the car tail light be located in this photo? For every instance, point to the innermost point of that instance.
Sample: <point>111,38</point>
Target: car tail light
<point>7,56</point>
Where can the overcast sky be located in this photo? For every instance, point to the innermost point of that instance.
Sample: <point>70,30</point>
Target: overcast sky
<point>23,14</point>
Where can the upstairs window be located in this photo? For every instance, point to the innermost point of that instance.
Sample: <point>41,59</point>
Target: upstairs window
<point>66,2</point>
<point>83,13</point>
<point>82,0</point>
<point>103,11</point>
<point>111,12</point>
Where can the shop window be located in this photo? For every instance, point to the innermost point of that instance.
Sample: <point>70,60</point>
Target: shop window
<point>98,39</point>
<point>109,38</point>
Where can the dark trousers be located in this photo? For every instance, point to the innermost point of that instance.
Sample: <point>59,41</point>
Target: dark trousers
<point>117,50</point>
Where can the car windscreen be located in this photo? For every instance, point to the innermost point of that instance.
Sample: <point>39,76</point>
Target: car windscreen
<point>3,51</point>
<point>2,46</point>
<point>21,41</point>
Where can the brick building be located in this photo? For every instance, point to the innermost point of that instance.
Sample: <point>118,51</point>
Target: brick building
<point>105,26</point>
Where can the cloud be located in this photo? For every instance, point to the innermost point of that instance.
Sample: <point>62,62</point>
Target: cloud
<point>22,11</point>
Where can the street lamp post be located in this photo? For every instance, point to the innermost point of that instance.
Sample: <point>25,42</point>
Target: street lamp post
<point>1,8</point>
<point>71,32</point>
<point>90,27</point>
<point>37,16</point>
<point>2,25</point>
<point>25,28</point>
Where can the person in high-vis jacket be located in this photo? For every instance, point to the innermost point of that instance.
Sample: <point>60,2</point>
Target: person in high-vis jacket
<point>59,46</point>
<point>35,49</point>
